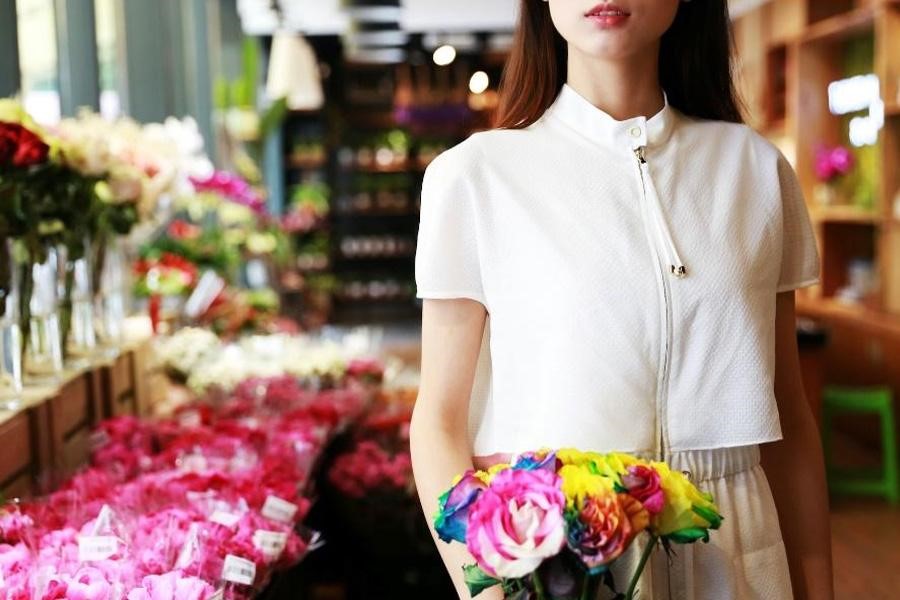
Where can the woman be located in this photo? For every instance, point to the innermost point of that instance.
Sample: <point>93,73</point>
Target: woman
<point>601,279</point>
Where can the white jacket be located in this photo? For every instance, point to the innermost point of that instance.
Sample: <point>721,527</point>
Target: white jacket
<point>629,270</point>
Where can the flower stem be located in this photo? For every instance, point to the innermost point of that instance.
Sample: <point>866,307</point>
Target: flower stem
<point>629,594</point>
<point>586,588</point>
<point>538,586</point>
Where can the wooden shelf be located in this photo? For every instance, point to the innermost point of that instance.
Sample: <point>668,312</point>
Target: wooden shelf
<point>840,27</point>
<point>403,167</point>
<point>844,214</point>
<point>868,319</point>
<point>892,110</point>
<point>306,164</point>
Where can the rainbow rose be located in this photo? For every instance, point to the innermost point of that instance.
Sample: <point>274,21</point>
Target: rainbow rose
<point>601,522</point>
<point>517,522</point>
<point>453,506</point>
<point>643,484</point>
<point>540,459</point>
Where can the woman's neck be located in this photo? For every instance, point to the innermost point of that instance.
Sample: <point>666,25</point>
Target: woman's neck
<point>623,88</point>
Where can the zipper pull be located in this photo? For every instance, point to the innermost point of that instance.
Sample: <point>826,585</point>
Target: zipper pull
<point>639,154</point>
<point>676,268</point>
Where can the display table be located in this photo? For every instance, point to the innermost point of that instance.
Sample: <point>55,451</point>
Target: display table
<point>47,436</point>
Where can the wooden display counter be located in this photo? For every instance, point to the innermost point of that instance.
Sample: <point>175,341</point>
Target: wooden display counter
<point>47,436</point>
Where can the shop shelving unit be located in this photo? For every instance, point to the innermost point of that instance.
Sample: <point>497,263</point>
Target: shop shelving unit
<point>303,131</point>
<point>788,52</point>
<point>373,217</point>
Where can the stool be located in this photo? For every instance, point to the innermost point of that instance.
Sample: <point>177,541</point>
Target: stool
<point>885,481</point>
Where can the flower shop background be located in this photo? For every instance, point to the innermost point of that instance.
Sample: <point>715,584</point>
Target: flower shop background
<point>209,332</point>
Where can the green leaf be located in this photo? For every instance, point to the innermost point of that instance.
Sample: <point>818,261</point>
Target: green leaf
<point>273,117</point>
<point>709,515</point>
<point>689,535</point>
<point>477,580</point>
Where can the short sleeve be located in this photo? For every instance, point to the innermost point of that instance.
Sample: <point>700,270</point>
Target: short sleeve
<point>447,259</point>
<point>799,253</point>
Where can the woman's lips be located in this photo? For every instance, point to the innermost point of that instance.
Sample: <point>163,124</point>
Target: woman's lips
<point>607,15</point>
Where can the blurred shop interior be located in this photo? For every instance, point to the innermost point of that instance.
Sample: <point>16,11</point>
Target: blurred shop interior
<point>323,114</point>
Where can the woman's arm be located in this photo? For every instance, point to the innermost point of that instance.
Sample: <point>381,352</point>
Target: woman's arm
<point>451,339</point>
<point>795,469</point>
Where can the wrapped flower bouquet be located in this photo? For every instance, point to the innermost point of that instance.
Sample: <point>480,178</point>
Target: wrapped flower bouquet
<point>549,525</point>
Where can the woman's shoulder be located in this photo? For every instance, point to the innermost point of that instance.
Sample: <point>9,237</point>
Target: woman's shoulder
<point>471,154</point>
<point>737,136</point>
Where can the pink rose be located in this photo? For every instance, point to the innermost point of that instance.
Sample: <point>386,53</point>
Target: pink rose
<point>171,586</point>
<point>643,484</point>
<point>517,522</point>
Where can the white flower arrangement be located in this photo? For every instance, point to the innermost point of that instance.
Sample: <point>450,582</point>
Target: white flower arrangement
<point>205,363</point>
<point>183,352</point>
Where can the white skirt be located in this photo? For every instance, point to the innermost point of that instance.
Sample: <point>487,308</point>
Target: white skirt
<point>744,559</point>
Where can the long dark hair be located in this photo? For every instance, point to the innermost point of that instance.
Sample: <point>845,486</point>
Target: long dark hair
<point>694,65</point>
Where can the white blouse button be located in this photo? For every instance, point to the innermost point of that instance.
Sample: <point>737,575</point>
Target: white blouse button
<point>635,132</point>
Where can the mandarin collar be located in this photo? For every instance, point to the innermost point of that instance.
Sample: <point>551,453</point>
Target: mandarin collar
<point>599,126</point>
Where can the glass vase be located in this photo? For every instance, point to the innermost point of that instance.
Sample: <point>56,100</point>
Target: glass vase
<point>43,354</point>
<point>111,298</point>
<point>10,331</point>
<point>80,337</point>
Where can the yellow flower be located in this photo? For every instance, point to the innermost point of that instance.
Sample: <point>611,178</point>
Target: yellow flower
<point>686,507</point>
<point>571,456</point>
<point>487,476</point>
<point>580,482</point>
<point>12,111</point>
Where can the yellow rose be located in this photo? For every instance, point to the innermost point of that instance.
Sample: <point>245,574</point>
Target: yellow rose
<point>686,507</point>
<point>12,111</point>
<point>580,482</point>
<point>486,476</point>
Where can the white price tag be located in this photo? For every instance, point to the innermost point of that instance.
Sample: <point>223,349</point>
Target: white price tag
<point>198,496</point>
<point>194,463</point>
<point>238,570</point>
<point>96,547</point>
<point>278,509</point>
<point>104,520</point>
<point>270,543</point>
<point>190,418</point>
<point>225,518</point>
<point>191,545</point>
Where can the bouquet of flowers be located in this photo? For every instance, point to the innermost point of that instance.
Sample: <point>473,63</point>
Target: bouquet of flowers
<point>550,524</point>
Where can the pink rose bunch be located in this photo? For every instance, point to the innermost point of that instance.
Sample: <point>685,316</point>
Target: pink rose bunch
<point>371,369</point>
<point>232,187</point>
<point>832,162</point>
<point>171,586</point>
<point>169,501</point>
<point>368,468</point>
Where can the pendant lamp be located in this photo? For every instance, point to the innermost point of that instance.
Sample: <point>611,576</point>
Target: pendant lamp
<point>294,72</point>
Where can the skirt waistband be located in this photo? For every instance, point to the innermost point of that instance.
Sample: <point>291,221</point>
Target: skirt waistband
<point>703,465</point>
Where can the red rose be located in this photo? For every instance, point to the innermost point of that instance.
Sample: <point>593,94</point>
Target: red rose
<point>32,150</point>
<point>20,147</point>
<point>9,142</point>
<point>182,230</point>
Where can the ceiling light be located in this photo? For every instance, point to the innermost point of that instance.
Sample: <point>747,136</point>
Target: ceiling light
<point>478,82</point>
<point>444,55</point>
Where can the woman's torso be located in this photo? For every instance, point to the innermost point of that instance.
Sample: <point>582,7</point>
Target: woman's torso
<point>589,341</point>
